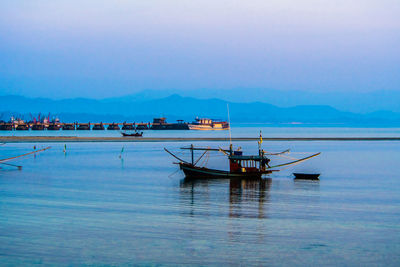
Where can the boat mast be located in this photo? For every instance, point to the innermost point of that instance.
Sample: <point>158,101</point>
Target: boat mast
<point>259,144</point>
<point>230,133</point>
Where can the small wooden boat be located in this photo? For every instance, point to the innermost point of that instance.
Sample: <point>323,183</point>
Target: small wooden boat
<point>306,176</point>
<point>133,134</point>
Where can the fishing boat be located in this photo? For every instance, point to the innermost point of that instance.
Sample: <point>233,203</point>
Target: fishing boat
<point>53,126</point>
<point>37,127</point>
<point>240,166</point>
<point>128,126</point>
<point>6,126</point>
<point>142,126</point>
<point>68,126</point>
<point>113,126</point>
<point>83,126</point>
<point>22,127</point>
<point>206,124</point>
<point>132,134</point>
<point>98,127</point>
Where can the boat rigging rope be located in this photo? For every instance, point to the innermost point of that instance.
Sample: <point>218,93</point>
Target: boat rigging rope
<point>289,166</point>
<point>288,157</point>
<point>205,152</point>
<point>207,158</point>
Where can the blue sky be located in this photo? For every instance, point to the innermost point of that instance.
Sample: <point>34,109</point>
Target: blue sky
<point>111,48</point>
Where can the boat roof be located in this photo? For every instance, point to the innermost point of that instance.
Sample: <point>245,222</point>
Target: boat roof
<point>241,157</point>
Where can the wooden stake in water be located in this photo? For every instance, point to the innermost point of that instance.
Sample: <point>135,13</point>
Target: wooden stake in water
<point>120,155</point>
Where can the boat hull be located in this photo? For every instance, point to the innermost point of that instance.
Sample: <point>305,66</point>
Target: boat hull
<point>132,135</point>
<point>306,176</point>
<point>191,171</point>
<point>206,127</point>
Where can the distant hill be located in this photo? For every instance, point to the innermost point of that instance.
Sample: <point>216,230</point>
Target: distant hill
<point>356,102</point>
<point>187,108</point>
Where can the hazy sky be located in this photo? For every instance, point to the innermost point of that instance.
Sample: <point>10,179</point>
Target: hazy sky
<point>104,48</point>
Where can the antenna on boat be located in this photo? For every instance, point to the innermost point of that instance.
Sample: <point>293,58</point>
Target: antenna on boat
<point>229,121</point>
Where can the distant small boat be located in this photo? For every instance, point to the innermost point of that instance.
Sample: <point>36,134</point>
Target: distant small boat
<point>306,176</point>
<point>133,134</point>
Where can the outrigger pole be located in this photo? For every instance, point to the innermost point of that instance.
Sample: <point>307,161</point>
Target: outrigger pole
<point>3,161</point>
<point>26,154</point>
<point>294,162</point>
<point>175,156</point>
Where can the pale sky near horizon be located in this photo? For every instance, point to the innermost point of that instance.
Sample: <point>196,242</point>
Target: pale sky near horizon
<point>98,49</point>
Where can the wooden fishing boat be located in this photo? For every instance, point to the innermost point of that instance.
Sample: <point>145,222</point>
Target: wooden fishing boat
<point>68,126</point>
<point>142,126</point>
<point>133,134</point>
<point>83,126</point>
<point>6,126</point>
<point>113,126</point>
<point>306,176</point>
<point>54,127</point>
<point>201,172</point>
<point>128,126</point>
<point>98,126</point>
<point>22,127</point>
<point>240,166</point>
<point>37,126</point>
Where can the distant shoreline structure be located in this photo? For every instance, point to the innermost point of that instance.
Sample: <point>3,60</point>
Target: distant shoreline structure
<point>157,124</point>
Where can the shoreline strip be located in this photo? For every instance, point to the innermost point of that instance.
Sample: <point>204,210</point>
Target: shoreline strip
<point>56,139</point>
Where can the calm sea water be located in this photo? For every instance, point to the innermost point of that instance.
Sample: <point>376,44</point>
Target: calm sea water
<point>91,207</point>
<point>238,130</point>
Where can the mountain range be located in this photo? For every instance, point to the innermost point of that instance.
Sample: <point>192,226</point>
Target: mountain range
<point>351,101</point>
<point>145,108</point>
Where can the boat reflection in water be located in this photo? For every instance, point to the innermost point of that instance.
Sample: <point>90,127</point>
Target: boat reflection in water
<point>246,199</point>
<point>248,191</point>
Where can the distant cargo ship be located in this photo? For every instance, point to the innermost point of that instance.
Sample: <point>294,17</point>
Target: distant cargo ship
<point>206,124</point>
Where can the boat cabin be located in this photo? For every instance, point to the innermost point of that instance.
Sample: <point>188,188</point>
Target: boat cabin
<point>159,120</point>
<point>239,163</point>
